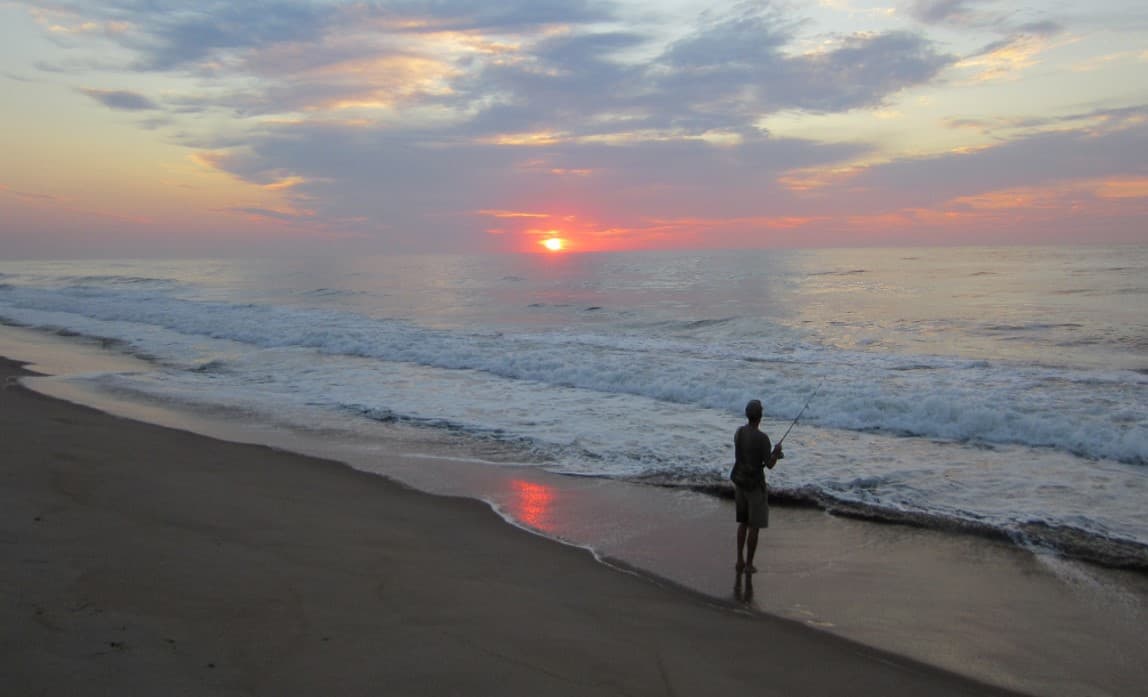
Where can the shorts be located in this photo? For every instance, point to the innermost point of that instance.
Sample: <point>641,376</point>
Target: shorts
<point>752,506</point>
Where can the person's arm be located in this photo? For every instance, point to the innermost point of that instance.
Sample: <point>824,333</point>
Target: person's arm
<point>775,455</point>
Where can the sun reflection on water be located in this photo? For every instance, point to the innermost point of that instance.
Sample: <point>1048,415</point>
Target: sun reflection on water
<point>532,504</point>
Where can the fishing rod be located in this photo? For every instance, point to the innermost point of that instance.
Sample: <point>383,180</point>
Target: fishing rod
<point>815,391</point>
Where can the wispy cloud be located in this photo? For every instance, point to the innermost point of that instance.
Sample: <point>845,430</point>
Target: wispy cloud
<point>283,216</point>
<point>1107,145</point>
<point>123,100</point>
<point>937,11</point>
<point>1005,59</point>
<point>27,195</point>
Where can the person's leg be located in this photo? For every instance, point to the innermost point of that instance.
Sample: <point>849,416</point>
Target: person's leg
<point>741,506</point>
<point>751,549</point>
<point>741,535</point>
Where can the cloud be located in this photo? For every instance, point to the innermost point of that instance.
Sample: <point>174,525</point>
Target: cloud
<point>522,62</point>
<point>725,76</point>
<point>1106,144</point>
<point>507,14</point>
<point>1016,51</point>
<point>454,74</point>
<point>122,100</point>
<point>185,34</point>
<point>379,178</point>
<point>5,189</point>
<point>979,14</point>
<point>1044,28</point>
<point>281,216</point>
<point>938,11</point>
<point>1094,121</point>
<point>741,69</point>
<point>411,121</point>
<point>1083,181</point>
<point>1028,34</point>
<point>866,69</point>
<point>171,34</point>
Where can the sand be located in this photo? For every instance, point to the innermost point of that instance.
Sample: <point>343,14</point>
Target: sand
<point>142,560</point>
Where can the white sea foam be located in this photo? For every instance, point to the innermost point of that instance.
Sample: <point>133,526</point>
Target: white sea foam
<point>953,399</point>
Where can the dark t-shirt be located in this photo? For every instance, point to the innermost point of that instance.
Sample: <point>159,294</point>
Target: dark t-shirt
<point>751,450</point>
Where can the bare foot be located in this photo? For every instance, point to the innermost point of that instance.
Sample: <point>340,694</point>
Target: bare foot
<point>750,569</point>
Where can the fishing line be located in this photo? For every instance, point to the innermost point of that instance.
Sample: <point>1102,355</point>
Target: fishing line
<point>815,391</point>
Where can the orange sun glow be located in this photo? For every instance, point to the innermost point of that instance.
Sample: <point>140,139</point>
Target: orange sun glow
<point>554,244</point>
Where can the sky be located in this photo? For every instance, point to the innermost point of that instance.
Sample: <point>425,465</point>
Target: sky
<point>261,127</point>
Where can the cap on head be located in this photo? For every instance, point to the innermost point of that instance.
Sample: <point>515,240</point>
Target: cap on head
<point>753,410</point>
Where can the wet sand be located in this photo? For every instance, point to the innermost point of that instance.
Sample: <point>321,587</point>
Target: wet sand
<point>142,560</point>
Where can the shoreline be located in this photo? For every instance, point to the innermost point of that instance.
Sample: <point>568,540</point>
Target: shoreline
<point>223,568</point>
<point>932,599</point>
<point>1070,543</point>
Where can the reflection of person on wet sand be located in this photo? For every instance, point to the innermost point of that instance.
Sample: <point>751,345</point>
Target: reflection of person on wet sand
<point>752,455</point>
<point>743,591</point>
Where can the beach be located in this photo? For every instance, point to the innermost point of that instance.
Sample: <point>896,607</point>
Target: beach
<point>142,560</point>
<point>368,427</point>
<point>399,348</point>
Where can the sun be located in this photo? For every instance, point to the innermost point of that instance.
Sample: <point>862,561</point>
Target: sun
<point>554,244</point>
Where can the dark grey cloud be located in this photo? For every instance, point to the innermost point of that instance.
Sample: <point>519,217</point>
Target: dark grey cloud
<point>983,14</point>
<point>751,74</point>
<point>725,76</point>
<point>122,100</point>
<point>937,11</point>
<point>865,70</point>
<point>191,35</point>
<point>171,34</point>
<point>742,41</point>
<point>1045,28</point>
<point>505,14</point>
<point>752,67</point>
<point>565,83</point>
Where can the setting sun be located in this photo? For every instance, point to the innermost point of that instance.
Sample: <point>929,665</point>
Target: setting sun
<point>554,244</point>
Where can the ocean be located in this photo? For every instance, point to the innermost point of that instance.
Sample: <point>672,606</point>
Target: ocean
<point>995,391</point>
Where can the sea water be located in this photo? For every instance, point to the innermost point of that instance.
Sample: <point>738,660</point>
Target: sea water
<point>1002,391</point>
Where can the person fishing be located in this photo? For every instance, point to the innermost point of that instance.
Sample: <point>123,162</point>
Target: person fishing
<point>752,455</point>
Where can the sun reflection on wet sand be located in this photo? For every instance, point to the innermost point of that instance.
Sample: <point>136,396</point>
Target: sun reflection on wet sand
<point>532,504</point>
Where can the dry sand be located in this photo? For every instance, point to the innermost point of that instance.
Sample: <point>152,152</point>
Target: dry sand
<point>140,560</point>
